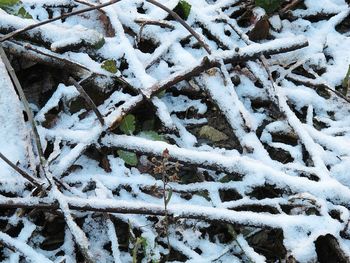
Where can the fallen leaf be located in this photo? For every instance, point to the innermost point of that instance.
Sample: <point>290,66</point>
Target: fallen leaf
<point>212,134</point>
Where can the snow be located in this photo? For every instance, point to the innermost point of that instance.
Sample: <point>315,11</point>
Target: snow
<point>57,36</point>
<point>15,136</point>
<point>30,254</point>
<point>257,111</point>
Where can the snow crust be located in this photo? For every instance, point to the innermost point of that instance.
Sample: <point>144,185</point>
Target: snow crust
<point>314,176</point>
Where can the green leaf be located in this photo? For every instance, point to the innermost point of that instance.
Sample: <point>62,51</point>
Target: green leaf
<point>167,199</point>
<point>4,3</point>
<point>140,242</point>
<point>204,193</point>
<point>128,124</point>
<point>160,94</point>
<point>99,43</point>
<point>151,135</point>
<point>129,158</point>
<point>183,9</point>
<point>346,79</point>
<point>212,134</point>
<point>269,5</point>
<point>143,242</point>
<point>110,65</point>
<point>23,13</point>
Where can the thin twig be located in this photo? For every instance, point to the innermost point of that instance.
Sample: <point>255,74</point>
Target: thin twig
<point>144,23</point>
<point>87,99</point>
<point>110,32</point>
<point>78,234</point>
<point>311,83</point>
<point>183,23</point>
<point>45,56</point>
<point>21,172</point>
<point>289,6</point>
<point>18,245</point>
<point>63,16</point>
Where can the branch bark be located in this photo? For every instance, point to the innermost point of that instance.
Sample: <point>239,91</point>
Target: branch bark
<point>24,174</point>
<point>183,23</point>
<point>87,99</point>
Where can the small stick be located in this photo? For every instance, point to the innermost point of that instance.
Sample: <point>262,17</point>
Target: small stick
<point>110,32</point>
<point>309,82</point>
<point>151,22</point>
<point>183,23</point>
<point>21,172</point>
<point>289,6</point>
<point>63,16</point>
<point>87,99</point>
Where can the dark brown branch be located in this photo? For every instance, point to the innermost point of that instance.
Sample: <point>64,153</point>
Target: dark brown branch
<point>110,32</point>
<point>180,76</point>
<point>145,22</point>
<point>289,6</point>
<point>124,208</point>
<point>204,65</point>
<point>21,172</point>
<point>49,58</point>
<point>45,56</point>
<point>87,99</point>
<point>183,23</point>
<point>229,58</point>
<point>63,16</point>
<point>310,83</point>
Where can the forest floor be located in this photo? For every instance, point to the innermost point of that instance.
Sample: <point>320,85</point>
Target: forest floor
<point>174,131</point>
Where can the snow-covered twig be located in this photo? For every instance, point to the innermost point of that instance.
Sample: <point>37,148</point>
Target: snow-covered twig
<point>63,16</point>
<point>31,179</point>
<point>87,99</point>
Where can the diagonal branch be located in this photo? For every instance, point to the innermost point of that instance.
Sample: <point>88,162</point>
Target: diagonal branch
<point>21,172</point>
<point>183,23</point>
<point>18,86</point>
<point>87,99</point>
<point>23,248</point>
<point>63,16</point>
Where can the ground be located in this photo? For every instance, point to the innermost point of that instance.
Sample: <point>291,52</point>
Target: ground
<point>174,131</point>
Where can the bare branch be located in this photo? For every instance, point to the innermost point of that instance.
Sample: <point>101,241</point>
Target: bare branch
<point>21,172</point>
<point>18,245</point>
<point>183,23</point>
<point>87,99</point>
<point>18,86</point>
<point>63,16</point>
